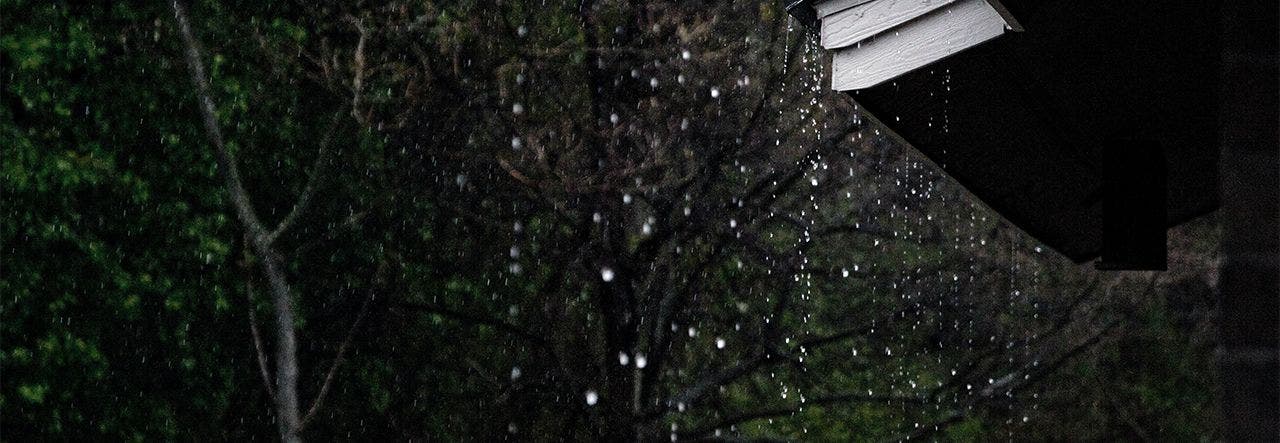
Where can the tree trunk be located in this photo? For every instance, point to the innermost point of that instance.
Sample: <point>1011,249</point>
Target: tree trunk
<point>286,390</point>
<point>287,411</point>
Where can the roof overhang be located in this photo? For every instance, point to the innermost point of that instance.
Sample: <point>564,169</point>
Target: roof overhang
<point>1027,121</point>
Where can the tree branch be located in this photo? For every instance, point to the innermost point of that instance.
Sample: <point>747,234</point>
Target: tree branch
<point>788,410</point>
<point>476,319</point>
<point>357,80</point>
<point>226,160</point>
<point>342,350</point>
<point>318,172</point>
<point>286,342</point>
<point>257,346</point>
<point>263,367</point>
<point>1019,378</point>
<point>710,381</point>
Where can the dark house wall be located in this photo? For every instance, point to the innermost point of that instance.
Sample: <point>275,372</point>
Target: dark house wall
<point>1249,313</point>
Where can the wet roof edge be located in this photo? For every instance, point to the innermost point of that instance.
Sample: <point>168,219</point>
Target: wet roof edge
<point>803,11</point>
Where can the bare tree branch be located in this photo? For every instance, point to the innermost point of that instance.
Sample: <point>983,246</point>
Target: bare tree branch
<point>475,319</point>
<point>342,349</point>
<point>357,80</point>
<point>318,173</point>
<point>286,341</point>
<point>1020,378</point>
<point>711,381</point>
<point>226,161</point>
<point>263,367</point>
<point>258,348</point>
<point>706,383</point>
<point>845,398</point>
